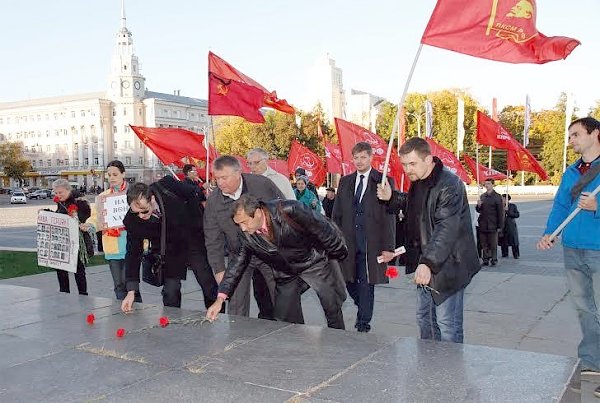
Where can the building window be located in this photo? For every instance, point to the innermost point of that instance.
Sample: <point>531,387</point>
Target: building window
<point>124,111</point>
<point>76,161</point>
<point>140,112</point>
<point>92,130</point>
<point>72,114</point>
<point>86,161</point>
<point>127,144</point>
<point>66,162</point>
<point>141,161</point>
<point>33,163</point>
<point>126,128</point>
<point>75,147</point>
<point>55,116</point>
<point>47,133</point>
<point>49,162</point>
<point>85,147</point>
<point>26,149</point>
<point>55,147</point>
<point>141,145</point>
<point>39,133</point>
<point>56,132</point>
<point>82,113</point>
<point>57,162</point>
<point>1,121</point>
<point>115,145</point>
<point>39,118</point>
<point>115,129</point>
<point>114,112</point>
<point>82,130</point>
<point>47,117</point>
<point>128,161</point>
<point>47,148</point>
<point>41,163</point>
<point>95,160</point>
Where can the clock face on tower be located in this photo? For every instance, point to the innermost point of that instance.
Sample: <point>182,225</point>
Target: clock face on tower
<point>137,85</point>
<point>125,84</point>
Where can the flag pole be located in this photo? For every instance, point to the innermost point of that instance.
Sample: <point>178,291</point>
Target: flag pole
<point>477,166</point>
<point>207,137</point>
<point>397,119</point>
<point>571,216</point>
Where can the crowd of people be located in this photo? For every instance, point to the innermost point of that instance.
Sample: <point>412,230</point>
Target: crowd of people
<point>260,234</point>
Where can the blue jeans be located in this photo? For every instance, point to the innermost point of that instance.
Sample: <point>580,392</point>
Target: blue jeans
<point>583,280</point>
<point>443,322</point>
<point>117,271</point>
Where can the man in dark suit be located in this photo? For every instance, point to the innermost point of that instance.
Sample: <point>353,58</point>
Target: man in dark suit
<point>490,222</point>
<point>220,231</point>
<point>147,206</point>
<point>370,231</point>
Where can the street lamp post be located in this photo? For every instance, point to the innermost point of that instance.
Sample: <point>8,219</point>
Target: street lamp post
<point>418,117</point>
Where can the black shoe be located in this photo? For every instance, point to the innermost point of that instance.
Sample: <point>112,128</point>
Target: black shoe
<point>516,257</point>
<point>504,255</point>
<point>494,262</point>
<point>485,263</point>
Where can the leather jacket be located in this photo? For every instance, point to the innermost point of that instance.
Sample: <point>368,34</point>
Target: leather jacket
<point>298,239</point>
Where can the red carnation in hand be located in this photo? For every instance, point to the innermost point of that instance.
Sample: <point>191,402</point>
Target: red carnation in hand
<point>90,319</point>
<point>164,321</point>
<point>391,272</point>
<point>72,210</point>
<point>56,199</point>
<point>120,332</point>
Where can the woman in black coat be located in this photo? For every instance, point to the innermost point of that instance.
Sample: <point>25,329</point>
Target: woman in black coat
<point>510,234</point>
<point>67,201</point>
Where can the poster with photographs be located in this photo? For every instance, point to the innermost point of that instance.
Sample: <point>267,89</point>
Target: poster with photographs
<point>111,209</point>
<point>57,241</point>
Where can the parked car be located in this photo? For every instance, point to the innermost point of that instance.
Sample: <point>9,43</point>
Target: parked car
<point>18,197</point>
<point>49,193</point>
<point>38,194</point>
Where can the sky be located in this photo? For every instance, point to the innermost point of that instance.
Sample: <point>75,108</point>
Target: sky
<point>63,47</point>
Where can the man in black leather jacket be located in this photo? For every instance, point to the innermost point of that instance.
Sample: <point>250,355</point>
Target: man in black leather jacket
<point>440,245</point>
<point>299,244</point>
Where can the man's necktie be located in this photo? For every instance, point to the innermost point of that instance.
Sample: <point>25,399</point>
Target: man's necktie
<point>359,190</point>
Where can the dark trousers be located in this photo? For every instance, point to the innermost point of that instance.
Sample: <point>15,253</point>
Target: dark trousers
<point>63,279</point>
<point>515,250</point>
<point>327,281</point>
<point>171,292</point>
<point>362,293</point>
<point>489,246</point>
<point>117,271</point>
<point>239,302</point>
<point>198,263</point>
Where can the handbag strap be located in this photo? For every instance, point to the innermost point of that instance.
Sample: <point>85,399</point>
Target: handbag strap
<point>586,178</point>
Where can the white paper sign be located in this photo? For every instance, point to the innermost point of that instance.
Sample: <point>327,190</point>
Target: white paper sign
<point>111,210</point>
<point>57,241</point>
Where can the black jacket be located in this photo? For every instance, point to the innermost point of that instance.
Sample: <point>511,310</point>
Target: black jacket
<point>179,231</point>
<point>83,207</point>
<point>380,226</point>
<point>219,228</point>
<point>301,238</point>
<point>447,243</point>
<point>491,212</point>
<point>511,233</point>
<point>328,206</point>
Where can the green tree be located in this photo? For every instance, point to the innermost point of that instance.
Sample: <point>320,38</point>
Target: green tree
<point>385,119</point>
<point>13,162</point>
<point>595,110</point>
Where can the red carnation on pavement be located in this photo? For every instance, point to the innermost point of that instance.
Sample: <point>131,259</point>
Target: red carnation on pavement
<point>56,199</point>
<point>90,319</point>
<point>391,272</point>
<point>120,332</point>
<point>164,321</point>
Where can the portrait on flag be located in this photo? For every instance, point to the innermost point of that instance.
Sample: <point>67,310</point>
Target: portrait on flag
<point>57,241</point>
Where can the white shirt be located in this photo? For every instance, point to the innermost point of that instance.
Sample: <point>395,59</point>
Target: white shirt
<point>366,177</point>
<point>238,192</point>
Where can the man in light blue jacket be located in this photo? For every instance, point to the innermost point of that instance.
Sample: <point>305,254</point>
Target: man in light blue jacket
<point>581,237</point>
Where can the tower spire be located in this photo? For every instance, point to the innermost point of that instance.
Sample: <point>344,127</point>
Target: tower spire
<point>123,19</point>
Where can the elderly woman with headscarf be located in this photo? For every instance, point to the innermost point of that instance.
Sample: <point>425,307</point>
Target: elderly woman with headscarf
<point>306,196</point>
<point>68,202</point>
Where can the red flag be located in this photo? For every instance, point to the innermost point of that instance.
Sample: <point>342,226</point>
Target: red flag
<point>449,160</point>
<point>171,144</point>
<point>243,163</point>
<point>349,134</point>
<point>231,92</point>
<point>280,166</point>
<point>302,157</point>
<point>333,158</point>
<point>523,160</point>
<point>484,172</point>
<point>492,133</point>
<point>501,30</point>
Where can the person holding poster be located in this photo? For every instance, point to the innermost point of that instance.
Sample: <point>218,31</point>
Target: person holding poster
<point>68,202</point>
<point>114,239</point>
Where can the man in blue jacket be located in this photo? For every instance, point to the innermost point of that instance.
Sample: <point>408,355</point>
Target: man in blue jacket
<point>581,237</point>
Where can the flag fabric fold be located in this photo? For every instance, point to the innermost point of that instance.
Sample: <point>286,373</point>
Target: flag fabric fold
<point>491,133</point>
<point>231,92</point>
<point>500,30</point>
<point>280,166</point>
<point>449,160</point>
<point>523,160</point>
<point>171,144</point>
<point>333,159</point>
<point>302,157</point>
<point>484,172</point>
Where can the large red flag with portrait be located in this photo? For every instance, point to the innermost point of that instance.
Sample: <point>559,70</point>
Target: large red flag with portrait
<point>484,172</point>
<point>449,160</point>
<point>302,157</point>
<point>231,92</point>
<point>501,30</point>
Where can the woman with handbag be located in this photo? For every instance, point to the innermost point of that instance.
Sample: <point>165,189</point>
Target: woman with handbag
<point>68,202</point>
<point>114,240</point>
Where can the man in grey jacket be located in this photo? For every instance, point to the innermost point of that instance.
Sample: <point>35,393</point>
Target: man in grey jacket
<point>220,232</point>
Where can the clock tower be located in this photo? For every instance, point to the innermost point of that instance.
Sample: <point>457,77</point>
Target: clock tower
<point>125,79</point>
